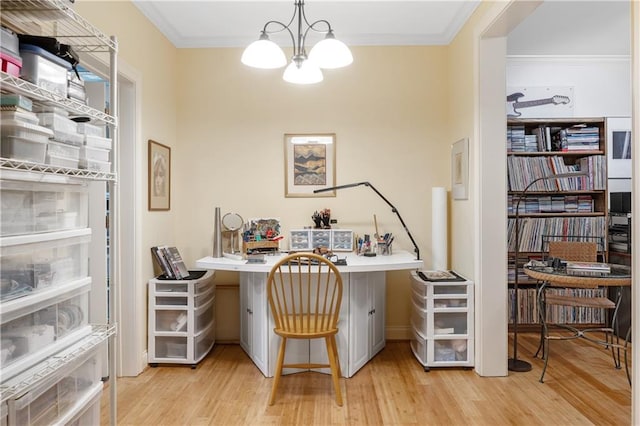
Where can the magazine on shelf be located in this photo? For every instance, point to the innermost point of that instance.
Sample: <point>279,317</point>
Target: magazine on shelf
<point>162,262</point>
<point>176,262</point>
<point>589,266</point>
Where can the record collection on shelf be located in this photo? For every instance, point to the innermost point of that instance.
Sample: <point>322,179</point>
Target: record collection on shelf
<point>575,206</point>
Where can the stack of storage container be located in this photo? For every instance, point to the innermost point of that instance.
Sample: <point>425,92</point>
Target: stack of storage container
<point>22,136</point>
<point>94,154</point>
<point>64,147</point>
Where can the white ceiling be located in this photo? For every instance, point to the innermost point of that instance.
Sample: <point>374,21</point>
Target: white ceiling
<point>236,23</point>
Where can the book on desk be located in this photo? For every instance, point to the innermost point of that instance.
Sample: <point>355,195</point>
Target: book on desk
<point>588,266</point>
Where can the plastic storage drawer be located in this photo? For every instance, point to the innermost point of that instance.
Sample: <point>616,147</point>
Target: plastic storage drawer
<point>341,240</point>
<point>171,320</point>
<point>63,396</point>
<point>299,240</point>
<point>203,316</point>
<point>28,264</point>
<point>33,331</point>
<point>205,341</point>
<point>171,347</point>
<point>29,208</point>
<point>320,238</point>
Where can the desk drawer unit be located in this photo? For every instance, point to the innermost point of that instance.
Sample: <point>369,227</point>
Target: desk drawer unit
<point>442,322</point>
<point>181,320</point>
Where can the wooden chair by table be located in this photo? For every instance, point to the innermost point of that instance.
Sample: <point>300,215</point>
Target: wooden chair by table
<point>305,293</point>
<point>578,251</point>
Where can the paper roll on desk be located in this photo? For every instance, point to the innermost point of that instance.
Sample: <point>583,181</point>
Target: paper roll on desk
<point>439,257</point>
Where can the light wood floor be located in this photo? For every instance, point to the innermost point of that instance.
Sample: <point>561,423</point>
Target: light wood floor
<point>581,387</point>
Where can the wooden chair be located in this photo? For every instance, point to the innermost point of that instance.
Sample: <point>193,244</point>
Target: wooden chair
<point>305,293</point>
<point>563,295</point>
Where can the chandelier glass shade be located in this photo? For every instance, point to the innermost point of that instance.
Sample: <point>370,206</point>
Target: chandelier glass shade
<point>328,53</point>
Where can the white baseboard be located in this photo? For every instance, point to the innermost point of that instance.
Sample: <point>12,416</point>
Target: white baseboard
<point>398,333</point>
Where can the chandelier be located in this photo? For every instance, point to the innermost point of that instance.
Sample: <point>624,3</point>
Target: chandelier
<point>303,69</point>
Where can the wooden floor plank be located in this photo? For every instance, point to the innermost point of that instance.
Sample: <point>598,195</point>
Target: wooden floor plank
<point>581,387</point>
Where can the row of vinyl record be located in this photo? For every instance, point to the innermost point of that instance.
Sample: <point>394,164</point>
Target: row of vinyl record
<point>550,204</point>
<point>524,170</point>
<point>532,230</point>
<point>529,311</point>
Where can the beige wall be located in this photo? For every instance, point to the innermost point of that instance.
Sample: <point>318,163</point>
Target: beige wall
<point>153,58</point>
<point>389,111</point>
<point>395,111</point>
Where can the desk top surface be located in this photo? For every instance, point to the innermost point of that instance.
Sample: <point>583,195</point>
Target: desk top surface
<point>398,261</point>
<point>620,275</point>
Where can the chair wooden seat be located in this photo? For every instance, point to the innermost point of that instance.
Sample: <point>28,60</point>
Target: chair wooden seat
<point>305,293</point>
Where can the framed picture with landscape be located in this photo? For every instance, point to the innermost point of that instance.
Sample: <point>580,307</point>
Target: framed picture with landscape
<point>159,176</point>
<point>309,164</point>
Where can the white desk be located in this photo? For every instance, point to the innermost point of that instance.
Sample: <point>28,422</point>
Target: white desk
<point>362,314</point>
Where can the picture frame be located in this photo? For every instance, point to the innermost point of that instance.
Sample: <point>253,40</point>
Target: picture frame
<point>309,164</point>
<point>159,175</point>
<point>460,169</point>
<point>619,143</point>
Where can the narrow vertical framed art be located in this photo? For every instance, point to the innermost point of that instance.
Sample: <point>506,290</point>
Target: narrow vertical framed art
<point>460,169</point>
<point>309,164</point>
<point>159,169</point>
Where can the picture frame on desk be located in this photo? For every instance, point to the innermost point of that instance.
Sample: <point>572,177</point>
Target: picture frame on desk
<point>460,169</point>
<point>309,164</point>
<point>159,176</point>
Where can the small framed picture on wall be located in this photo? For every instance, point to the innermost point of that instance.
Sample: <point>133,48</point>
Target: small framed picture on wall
<point>159,176</point>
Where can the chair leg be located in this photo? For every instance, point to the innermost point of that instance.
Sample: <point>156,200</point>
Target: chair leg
<point>545,350</point>
<point>335,351</point>
<point>335,366</point>
<point>278,372</point>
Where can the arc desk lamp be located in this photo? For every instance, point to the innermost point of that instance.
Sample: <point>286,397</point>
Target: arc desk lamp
<point>393,208</point>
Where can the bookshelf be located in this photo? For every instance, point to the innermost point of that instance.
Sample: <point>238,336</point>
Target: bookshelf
<point>576,206</point>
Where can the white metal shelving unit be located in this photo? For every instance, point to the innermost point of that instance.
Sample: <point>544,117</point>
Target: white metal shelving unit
<point>56,18</point>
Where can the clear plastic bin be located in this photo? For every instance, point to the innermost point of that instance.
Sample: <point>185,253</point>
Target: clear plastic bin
<point>23,116</point>
<point>91,129</point>
<point>94,154</point>
<point>43,324</point>
<point>36,207</point>
<point>64,129</point>
<point>44,69</point>
<point>55,160</point>
<point>97,141</point>
<point>20,129</point>
<point>65,150</point>
<point>24,149</point>
<point>34,266</point>
<point>96,166</point>
<point>57,396</point>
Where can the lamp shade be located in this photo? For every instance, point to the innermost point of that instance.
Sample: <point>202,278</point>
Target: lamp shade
<point>307,73</point>
<point>331,53</point>
<point>264,54</point>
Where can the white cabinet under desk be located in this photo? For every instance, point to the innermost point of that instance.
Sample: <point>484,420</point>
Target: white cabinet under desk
<point>362,315</point>
<point>181,319</point>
